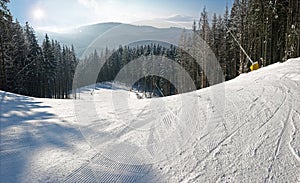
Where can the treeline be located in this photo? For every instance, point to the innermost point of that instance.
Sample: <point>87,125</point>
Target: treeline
<point>269,31</point>
<point>28,68</point>
<point>108,64</point>
<point>148,83</point>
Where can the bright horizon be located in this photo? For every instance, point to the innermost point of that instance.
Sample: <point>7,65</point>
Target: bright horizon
<point>57,16</point>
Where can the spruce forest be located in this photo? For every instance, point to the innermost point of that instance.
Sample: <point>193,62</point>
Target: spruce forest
<point>269,31</point>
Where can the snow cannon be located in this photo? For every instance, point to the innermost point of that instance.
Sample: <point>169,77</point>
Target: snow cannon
<point>254,66</point>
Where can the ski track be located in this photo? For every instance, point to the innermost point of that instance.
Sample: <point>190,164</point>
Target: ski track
<point>292,137</point>
<point>255,139</point>
<point>167,120</point>
<point>102,169</point>
<point>279,141</point>
<point>278,145</point>
<point>212,150</point>
<point>129,127</point>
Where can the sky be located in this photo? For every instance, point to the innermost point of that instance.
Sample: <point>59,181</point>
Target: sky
<point>59,15</point>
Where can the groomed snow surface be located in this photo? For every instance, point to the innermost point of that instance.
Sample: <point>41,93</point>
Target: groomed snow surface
<point>244,130</point>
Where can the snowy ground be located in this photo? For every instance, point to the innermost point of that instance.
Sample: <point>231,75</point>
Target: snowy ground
<point>246,130</point>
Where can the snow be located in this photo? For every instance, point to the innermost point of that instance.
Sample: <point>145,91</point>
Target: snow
<point>244,130</point>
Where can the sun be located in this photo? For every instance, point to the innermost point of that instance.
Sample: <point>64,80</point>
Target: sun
<point>38,13</point>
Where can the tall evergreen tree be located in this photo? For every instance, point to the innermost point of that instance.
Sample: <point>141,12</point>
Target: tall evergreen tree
<point>5,39</point>
<point>204,31</point>
<point>34,59</point>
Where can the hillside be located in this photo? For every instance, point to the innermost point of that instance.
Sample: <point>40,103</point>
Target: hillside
<point>99,36</point>
<point>244,130</point>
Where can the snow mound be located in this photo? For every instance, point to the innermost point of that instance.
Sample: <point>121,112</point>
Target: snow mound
<point>246,129</point>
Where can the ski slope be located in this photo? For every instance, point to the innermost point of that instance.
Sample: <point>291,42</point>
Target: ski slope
<point>244,130</point>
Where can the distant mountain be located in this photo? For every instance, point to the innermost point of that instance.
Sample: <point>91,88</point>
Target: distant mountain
<point>99,36</point>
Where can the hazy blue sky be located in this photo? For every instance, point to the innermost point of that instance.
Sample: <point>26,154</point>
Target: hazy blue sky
<point>60,14</point>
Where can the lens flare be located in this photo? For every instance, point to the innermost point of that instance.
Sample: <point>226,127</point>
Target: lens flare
<point>38,13</point>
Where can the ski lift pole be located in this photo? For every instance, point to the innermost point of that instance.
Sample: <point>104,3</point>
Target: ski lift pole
<point>254,65</point>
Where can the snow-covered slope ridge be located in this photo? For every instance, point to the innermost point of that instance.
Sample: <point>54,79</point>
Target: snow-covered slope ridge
<point>245,130</point>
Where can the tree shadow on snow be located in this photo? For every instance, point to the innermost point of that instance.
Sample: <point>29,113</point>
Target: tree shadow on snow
<point>28,129</point>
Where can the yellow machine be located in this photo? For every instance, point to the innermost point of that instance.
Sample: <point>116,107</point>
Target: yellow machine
<point>254,66</point>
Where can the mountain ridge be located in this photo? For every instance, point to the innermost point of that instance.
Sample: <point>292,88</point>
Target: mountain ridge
<point>111,34</point>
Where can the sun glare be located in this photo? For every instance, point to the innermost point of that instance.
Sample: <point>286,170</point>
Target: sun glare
<point>38,14</point>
